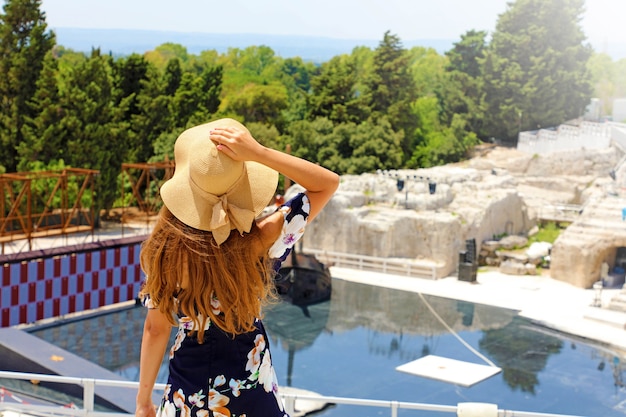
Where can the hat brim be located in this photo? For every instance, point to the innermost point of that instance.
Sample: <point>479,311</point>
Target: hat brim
<point>253,192</point>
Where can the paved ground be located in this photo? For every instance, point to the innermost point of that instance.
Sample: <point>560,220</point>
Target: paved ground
<point>543,300</point>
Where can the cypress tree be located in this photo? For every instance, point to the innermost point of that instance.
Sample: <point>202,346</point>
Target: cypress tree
<point>24,42</point>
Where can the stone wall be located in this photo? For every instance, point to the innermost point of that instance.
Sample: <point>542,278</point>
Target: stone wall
<point>369,216</point>
<point>497,193</point>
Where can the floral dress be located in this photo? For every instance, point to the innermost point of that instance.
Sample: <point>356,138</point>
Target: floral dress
<point>226,376</point>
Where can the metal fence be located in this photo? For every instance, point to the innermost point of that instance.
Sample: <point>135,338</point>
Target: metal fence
<point>89,385</point>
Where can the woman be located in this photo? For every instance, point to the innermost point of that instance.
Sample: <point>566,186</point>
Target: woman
<point>208,264</point>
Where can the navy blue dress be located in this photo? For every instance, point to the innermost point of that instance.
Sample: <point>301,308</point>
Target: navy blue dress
<point>226,376</point>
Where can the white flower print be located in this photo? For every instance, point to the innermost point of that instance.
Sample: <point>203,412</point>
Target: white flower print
<point>291,233</point>
<point>254,356</point>
<point>219,381</point>
<point>196,399</point>
<point>236,386</point>
<point>267,376</point>
<point>185,323</point>
<point>179,402</point>
<point>179,398</point>
<point>168,409</point>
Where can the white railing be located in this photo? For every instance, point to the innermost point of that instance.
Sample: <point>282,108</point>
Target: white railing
<point>465,409</point>
<point>396,266</point>
<point>587,135</point>
<point>560,212</point>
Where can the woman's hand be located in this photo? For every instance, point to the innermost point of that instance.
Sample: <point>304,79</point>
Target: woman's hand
<point>319,182</point>
<point>237,144</point>
<point>145,410</point>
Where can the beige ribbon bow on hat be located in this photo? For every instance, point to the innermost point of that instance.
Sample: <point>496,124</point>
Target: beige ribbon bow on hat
<point>227,217</point>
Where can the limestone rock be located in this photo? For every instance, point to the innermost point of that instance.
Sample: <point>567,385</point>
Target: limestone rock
<point>513,268</point>
<point>500,192</point>
<point>513,241</point>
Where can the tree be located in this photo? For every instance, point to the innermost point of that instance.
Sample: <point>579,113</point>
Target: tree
<point>334,92</point>
<point>197,97</point>
<point>172,76</point>
<point>391,88</point>
<point>439,144</point>
<point>24,44</point>
<point>91,137</point>
<point>155,114</point>
<point>164,53</point>
<point>466,54</point>
<point>608,79</point>
<point>460,93</point>
<point>296,75</point>
<point>370,146</point>
<point>42,140</point>
<point>260,103</point>
<point>535,69</point>
<point>129,73</point>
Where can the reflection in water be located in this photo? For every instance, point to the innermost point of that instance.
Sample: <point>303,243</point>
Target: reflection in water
<point>351,345</point>
<point>520,352</point>
<point>295,327</point>
<point>401,312</point>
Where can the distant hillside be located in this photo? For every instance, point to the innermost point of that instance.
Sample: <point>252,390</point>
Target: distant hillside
<point>124,42</point>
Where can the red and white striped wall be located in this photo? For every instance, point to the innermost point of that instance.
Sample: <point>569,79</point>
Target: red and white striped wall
<point>36,289</point>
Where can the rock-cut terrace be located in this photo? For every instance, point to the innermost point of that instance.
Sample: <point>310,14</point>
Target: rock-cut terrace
<point>428,215</point>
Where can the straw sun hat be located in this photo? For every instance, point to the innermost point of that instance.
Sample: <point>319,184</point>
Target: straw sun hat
<point>213,192</point>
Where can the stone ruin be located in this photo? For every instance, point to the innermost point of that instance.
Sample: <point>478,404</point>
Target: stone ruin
<point>431,213</point>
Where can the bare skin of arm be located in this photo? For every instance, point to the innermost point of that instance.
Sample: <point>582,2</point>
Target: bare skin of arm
<point>156,334</point>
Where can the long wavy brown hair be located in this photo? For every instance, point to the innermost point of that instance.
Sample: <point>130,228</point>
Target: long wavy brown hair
<point>185,269</point>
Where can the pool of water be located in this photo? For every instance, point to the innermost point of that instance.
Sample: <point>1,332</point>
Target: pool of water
<point>351,346</point>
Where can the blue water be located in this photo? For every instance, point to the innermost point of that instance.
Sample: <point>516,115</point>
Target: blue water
<point>350,347</point>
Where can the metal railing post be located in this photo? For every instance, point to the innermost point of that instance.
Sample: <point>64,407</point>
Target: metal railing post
<point>89,393</point>
<point>394,408</point>
<point>290,405</point>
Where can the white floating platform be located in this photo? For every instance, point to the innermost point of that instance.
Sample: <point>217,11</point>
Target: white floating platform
<point>449,370</point>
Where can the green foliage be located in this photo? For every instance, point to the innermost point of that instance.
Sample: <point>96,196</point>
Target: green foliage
<point>260,103</point>
<point>608,79</point>
<point>466,54</point>
<point>391,88</point>
<point>548,232</point>
<point>24,42</point>
<point>162,54</point>
<point>386,108</point>
<point>535,69</point>
<point>460,91</point>
<point>347,148</point>
<point>439,144</point>
<point>335,92</point>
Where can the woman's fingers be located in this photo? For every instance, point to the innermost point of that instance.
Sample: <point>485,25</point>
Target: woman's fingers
<point>235,143</point>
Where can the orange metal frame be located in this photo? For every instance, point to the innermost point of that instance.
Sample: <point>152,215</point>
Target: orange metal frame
<point>35,204</point>
<point>141,176</point>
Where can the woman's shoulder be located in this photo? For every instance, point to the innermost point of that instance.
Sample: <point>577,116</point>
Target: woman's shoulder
<point>270,228</point>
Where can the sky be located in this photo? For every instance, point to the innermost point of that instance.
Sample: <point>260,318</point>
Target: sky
<point>603,21</point>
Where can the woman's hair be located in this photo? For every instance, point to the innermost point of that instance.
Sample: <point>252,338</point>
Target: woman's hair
<point>236,273</point>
